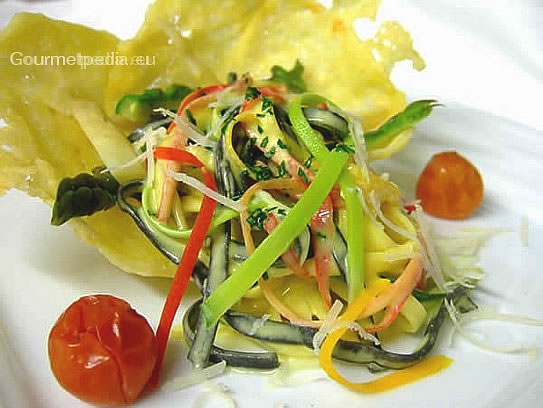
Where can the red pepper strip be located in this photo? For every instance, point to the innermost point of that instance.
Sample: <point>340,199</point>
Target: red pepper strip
<point>189,257</point>
<point>277,93</point>
<point>323,231</point>
<point>394,297</point>
<point>195,95</point>
<point>250,103</point>
<point>178,155</point>
<point>289,257</point>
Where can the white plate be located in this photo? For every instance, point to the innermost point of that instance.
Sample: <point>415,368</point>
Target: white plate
<point>491,116</point>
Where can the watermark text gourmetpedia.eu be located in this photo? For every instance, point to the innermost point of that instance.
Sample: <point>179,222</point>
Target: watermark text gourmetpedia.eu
<point>80,60</point>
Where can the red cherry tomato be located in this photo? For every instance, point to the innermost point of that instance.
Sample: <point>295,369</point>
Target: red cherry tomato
<point>102,351</point>
<point>450,186</point>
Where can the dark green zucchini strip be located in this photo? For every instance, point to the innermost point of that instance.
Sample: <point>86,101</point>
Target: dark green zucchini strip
<point>217,273</point>
<point>129,200</point>
<point>256,360</point>
<point>339,252</point>
<point>333,127</point>
<point>153,124</point>
<point>219,260</point>
<point>362,352</point>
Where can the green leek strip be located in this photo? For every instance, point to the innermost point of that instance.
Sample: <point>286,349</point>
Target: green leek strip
<point>248,273</point>
<point>355,237</point>
<point>302,127</point>
<point>349,190</point>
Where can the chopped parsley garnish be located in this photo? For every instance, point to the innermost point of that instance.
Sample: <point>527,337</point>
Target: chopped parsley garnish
<point>282,169</point>
<point>262,173</point>
<point>281,211</point>
<point>251,93</point>
<point>302,174</point>
<point>267,105</point>
<point>282,144</point>
<point>256,218</point>
<point>269,154</point>
<point>308,162</point>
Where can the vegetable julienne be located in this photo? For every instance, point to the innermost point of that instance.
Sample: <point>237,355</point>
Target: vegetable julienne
<point>299,164</point>
<point>314,218</point>
<point>315,229</point>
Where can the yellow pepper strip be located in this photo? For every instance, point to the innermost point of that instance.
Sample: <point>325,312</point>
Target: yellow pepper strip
<point>396,379</point>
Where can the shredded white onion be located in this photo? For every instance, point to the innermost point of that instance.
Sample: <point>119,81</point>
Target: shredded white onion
<point>187,128</point>
<point>223,119</point>
<point>259,323</point>
<point>353,326</point>
<point>431,259</point>
<point>357,132</point>
<point>377,207</point>
<point>327,324</point>
<point>360,153</point>
<point>480,314</point>
<point>195,377</point>
<point>466,243</point>
<point>138,159</point>
<point>197,184</point>
<point>460,255</point>
<point>332,324</point>
<point>459,322</point>
<point>367,211</point>
<point>226,98</point>
<point>150,139</point>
